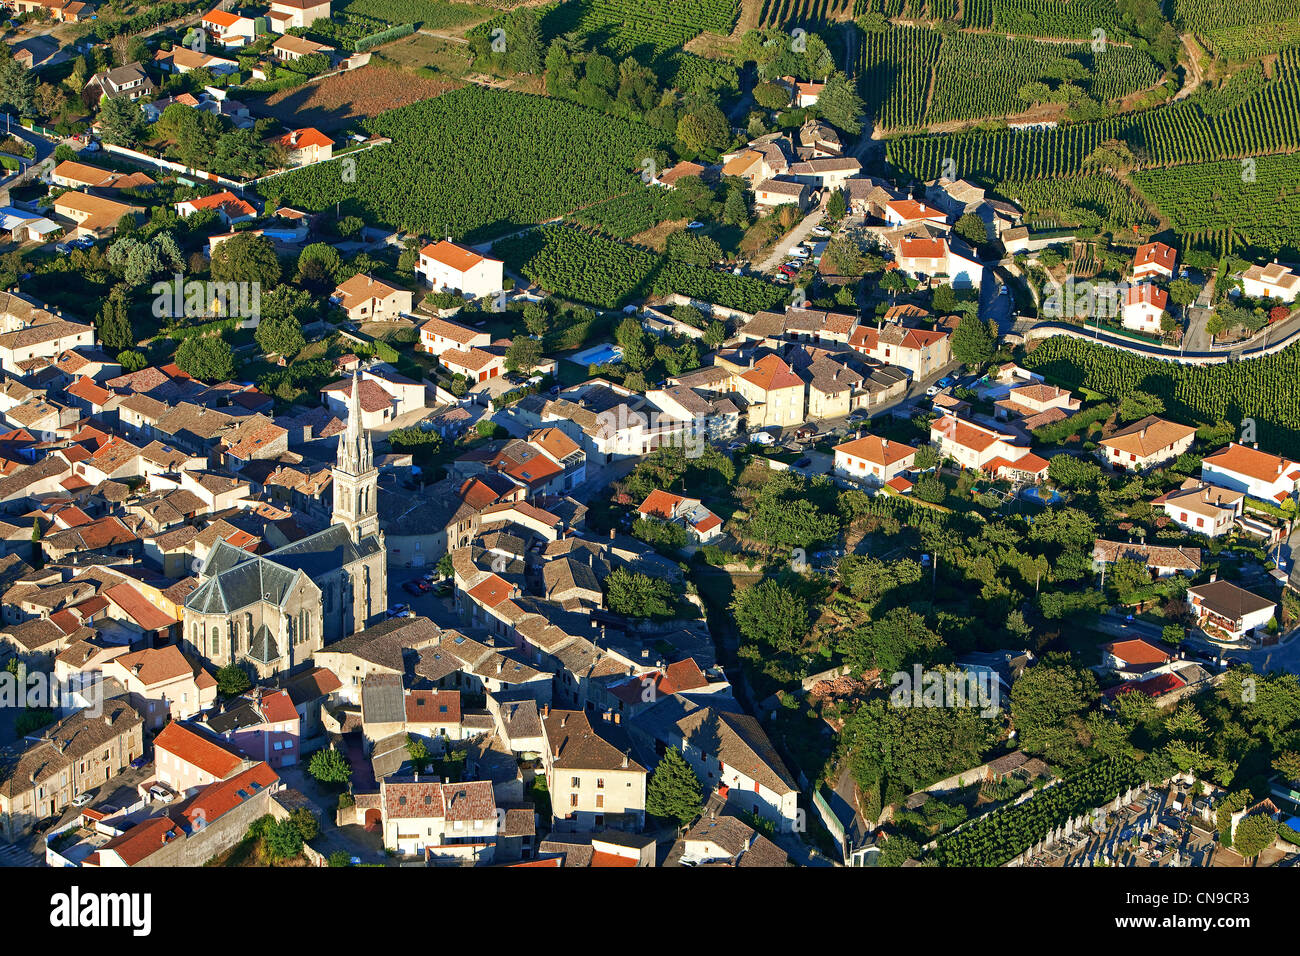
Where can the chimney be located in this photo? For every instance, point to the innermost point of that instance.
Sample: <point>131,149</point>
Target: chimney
<point>417,776</point>
<point>564,719</point>
<point>1214,576</point>
<point>612,533</point>
<point>624,761</point>
<point>546,710</point>
<point>618,719</point>
<point>108,720</point>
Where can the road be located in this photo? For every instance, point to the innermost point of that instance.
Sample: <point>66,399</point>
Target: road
<point>1197,338</point>
<point>796,235</point>
<point>995,306</point>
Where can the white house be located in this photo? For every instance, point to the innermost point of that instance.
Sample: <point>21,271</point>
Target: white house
<point>229,29</point>
<point>1146,443</point>
<point>919,256</point>
<point>904,212</point>
<point>1154,259</point>
<point>978,446</point>
<point>1203,508</point>
<point>450,268</point>
<point>1273,281</point>
<point>1144,305</point>
<point>702,525</point>
<point>1256,473</point>
<point>1223,609</point>
<point>874,460</point>
<point>439,335</point>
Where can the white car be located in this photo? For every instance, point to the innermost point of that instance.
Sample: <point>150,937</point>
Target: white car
<point>161,794</point>
<point>695,224</point>
<point>81,799</point>
<point>821,232</point>
<point>799,252</point>
<point>932,391</point>
<point>762,438</point>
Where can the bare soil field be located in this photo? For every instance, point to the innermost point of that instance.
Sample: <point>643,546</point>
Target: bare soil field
<point>340,101</point>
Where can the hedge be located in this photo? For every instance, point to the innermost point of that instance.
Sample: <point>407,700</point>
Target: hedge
<point>362,44</point>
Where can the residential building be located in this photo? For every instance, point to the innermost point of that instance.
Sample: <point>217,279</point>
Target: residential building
<point>702,525</point>
<point>286,14</point>
<point>365,299</point>
<point>162,685</point>
<point>1227,612</point>
<point>1161,561</point>
<point>1147,443</point>
<point>1204,508</point>
<point>229,29</point>
<point>1255,473</point>
<point>592,780</point>
<point>1144,307</point>
<point>92,216</point>
<point>448,267</point>
<point>1154,260</point>
<point>774,392</point>
<point>920,351</point>
<point>39,778</point>
<point>129,81</point>
<point>443,823</point>
<point>186,758</point>
<point>876,461</point>
<point>305,146</point>
<point>1273,281</point>
<point>440,335</point>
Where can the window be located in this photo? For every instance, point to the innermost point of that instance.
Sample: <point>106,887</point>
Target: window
<point>600,783</point>
<point>600,799</point>
<point>573,799</point>
<point>575,782</point>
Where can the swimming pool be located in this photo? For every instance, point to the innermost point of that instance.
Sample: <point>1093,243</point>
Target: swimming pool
<point>1043,496</point>
<point>598,354</point>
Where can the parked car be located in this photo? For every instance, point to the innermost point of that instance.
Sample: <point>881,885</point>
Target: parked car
<point>399,610</point>
<point>161,794</point>
<point>799,252</point>
<point>695,224</point>
<point>803,462</point>
<point>139,762</point>
<point>81,799</point>
<point>821,232</point>
<point>412,587</point>
<point>762,438</point>
<point>944,382</point>
<point>932,391</point>
<point>788,270</point>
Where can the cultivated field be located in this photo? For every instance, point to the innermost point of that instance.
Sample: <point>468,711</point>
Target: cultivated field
<point>341,101</point>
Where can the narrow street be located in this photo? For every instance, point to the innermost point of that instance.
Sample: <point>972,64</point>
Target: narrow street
<point>796,235</point>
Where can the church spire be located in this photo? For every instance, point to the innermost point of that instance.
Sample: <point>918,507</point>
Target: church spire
<point>355,481</point>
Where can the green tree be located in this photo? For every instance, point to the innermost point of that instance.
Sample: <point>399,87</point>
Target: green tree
<point>318,266</point>
<point>839,104</point>
<point>972,343</point>
<point>703,127</point>
<point>771,614</point>
<point>246,257</point>
<point>524,354</point>
<point>1138,404</point>
<point>330,766</point>
<point>232,680</point>
<point>280,335</point>
<point>122,121</point>
<point>524,43</point>
<point>772,96</point>
<point>673,790</point>
<point>206,357</point>
<point>282,840</point>
<point>1048,703</point>
<point>1254,834</point>
<point>113,323</point>
<point>836,207</point>
<point>633,594</point>
<point>418,752</point>
<point>17,87</point>
<point>971,228</point>
<point>898,849</point>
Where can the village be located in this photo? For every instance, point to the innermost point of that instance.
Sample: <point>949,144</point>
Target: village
<point>327,541</point>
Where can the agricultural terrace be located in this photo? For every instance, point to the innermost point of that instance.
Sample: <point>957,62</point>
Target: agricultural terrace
<point>1262,389</point>
<point>1063,19</point>
<point>775,13</point>
<point>1225,206</point>
<point>911,77</point>
<point>652,31</point>
<point>474,164</point>
<point>593,269</point>
<point>1242,29</point>
<point>1203,127</point>
<point>1098,201</point>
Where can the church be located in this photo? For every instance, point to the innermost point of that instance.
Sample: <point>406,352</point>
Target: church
<point>273,611</point>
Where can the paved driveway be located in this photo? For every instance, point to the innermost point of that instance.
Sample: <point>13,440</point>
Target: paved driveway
<point>797,235</point>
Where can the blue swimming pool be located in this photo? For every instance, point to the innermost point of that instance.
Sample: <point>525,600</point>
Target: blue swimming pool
<point>1045,496</point>
<point>601,354</point>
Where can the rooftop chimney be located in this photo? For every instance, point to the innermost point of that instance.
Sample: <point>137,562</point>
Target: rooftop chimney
<point>612,533</point>
<point>625,761</point>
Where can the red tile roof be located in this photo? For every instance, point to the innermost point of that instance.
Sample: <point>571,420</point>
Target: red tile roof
<point>771,373</point>
<point>1251,462</point>
<point>1155,253</point>
<point>197,750</point>
<point>1138,652</point>
<point>878,451</point>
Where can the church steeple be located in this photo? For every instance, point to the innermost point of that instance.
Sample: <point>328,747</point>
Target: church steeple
<point>356,480</point>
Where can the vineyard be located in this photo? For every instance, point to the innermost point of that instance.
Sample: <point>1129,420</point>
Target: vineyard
<point>894,74</point>
<point>434,14</point>
<point>1044,18</point>
<point>578,265</point>
<point>1244,29</point>
<point>1262,388</point>
<point>596,270</point>
<point>473,164</point>
<point>977,75</point>
<point>1266,120</point>
<point>646,29</point>
<point>1009,831</point>
<point>777,13</point>
<point>625,216</point>
<point>1099,202</point>
<point>1213,205</point>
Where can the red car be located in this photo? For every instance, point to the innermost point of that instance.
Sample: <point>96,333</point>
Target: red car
<point>789,270</point>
